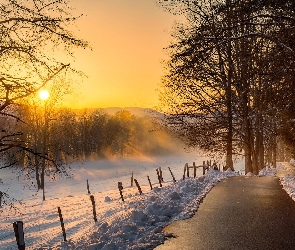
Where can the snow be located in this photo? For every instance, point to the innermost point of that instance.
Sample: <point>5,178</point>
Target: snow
<point>136,223</point>
<point>268,172</point>
<point>288,182</point>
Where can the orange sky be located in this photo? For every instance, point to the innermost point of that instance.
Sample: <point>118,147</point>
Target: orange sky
<point>128,37</point>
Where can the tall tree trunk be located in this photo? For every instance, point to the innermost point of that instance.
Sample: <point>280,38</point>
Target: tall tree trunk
<point>37,160</point>
<point>255,153</point>
<point>274,151</point>
<point>45,151</point>
<point>248,148</point>
<point>37,172</point>
<point>247,134</point>
<point>229,141</point>
<point>261,144</point>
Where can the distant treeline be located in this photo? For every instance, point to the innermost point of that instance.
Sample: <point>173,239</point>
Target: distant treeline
<point>65,135</point>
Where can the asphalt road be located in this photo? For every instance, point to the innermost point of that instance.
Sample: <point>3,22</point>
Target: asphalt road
<point>238,213</point>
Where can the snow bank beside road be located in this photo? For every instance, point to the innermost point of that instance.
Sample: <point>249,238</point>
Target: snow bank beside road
<point>135,224</point>
<point>288,183</point>
<point>139,224</point>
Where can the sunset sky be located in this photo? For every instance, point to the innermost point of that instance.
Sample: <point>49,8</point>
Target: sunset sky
<point>124,67</point>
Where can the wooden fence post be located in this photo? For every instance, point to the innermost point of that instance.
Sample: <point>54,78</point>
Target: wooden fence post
<point>132,180</point>
<point>150,182</point>
<point>187,170</point>
<point>159,178</point>
<point>172,174</point>
<point>19,234</point>
<point>195,169</point>
<point>120,187</point>
<point>62,224</point>
<point>184,170</point>
<point>161,174</point>
<point>137,184</point>
<point>93,207</point>
<point>88,187</point>
<point>204,167</point>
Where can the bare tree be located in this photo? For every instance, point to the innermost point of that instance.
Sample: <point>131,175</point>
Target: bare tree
<point>31,34</point>
<point>227,60</point>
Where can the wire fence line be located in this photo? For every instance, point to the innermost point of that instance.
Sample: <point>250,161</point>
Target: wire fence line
<point>46,218</point>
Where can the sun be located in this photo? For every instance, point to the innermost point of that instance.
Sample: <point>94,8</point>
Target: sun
<point>44,94</point>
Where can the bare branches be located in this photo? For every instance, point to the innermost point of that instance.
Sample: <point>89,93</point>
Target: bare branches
<point>28,29</point>
<point>225,64</point>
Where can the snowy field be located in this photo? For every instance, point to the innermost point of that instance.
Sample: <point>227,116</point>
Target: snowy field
<point>134,224</point>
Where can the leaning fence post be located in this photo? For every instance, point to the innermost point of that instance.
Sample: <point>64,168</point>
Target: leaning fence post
<point>62,224</point>
<point>195,169</point>
<point>172,174</point>
<point>88,187</point>
<point>19,234</point>
<point>184,169</point>
<point>137,184</point>
<point>93,207</point>
<point>159,178</point>
<point>120,187</point>
<point>161,174</point>
<point>204,167</point>
<point>150,182</point>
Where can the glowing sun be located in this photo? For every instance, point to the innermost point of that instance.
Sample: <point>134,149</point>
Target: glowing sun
<point>44,94</point>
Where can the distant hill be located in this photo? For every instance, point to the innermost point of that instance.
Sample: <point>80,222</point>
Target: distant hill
<point>141,112</point>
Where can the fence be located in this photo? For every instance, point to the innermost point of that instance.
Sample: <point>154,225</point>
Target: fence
<point>70,220</point>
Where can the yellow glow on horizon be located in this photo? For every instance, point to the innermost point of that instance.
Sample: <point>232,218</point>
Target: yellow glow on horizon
<point>44,94</point>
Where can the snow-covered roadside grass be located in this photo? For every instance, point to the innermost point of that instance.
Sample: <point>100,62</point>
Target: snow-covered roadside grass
<point>136,223</point>
<point>268,171</point>
<point>288,182</point>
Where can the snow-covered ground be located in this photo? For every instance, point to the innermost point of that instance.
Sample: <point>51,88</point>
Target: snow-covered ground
<point>133,224</point>
<point>288,182</point>
<point>136,223</point>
